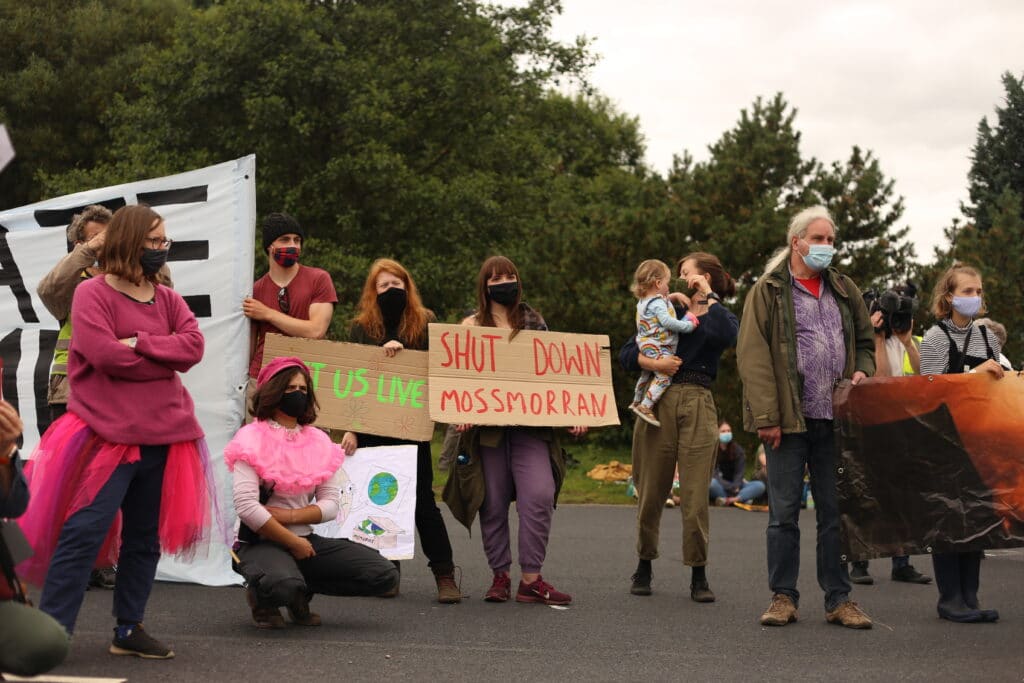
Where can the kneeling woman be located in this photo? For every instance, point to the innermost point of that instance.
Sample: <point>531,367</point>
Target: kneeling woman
<point>281,463</point>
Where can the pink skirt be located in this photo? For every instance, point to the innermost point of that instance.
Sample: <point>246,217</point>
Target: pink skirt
<point>70,466</point>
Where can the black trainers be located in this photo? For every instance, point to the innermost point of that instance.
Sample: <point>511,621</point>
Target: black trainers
<point>908,574</point>
<point>642,579</point>
<point>133,640</point>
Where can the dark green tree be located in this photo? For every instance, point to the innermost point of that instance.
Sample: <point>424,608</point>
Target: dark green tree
<point>996,160</point>
<point>62,66</point>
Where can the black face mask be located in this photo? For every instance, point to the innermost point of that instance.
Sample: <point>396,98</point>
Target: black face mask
<point>392,304</point>
<point>505,294</point>
<point>153,260</point>
<point>293,404</point>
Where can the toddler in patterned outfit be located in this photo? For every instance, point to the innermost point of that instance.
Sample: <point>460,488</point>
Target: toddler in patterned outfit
<point>657,333</point>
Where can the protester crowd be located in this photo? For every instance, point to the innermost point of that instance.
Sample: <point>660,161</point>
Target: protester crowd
<point>123,475</point>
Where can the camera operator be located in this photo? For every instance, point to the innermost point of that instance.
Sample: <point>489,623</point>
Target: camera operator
<point>30,642</point>
<point>897,354</point>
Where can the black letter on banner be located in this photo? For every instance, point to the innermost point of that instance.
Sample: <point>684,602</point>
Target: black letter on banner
<point>10,351</point>
<point>10,276</point>
<point>58,218</point>
<point>185,195</point>
<point>200,304</point>
<point>41,378</point>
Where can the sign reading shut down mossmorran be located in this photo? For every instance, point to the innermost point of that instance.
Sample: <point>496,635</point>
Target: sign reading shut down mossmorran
<point>479,375</point>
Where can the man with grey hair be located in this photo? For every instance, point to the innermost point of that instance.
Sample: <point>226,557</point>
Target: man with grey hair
<point>57,289</point>
<point>804,328</point>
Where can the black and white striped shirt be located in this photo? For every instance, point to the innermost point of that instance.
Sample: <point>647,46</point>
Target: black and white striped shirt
<point>935,346</point>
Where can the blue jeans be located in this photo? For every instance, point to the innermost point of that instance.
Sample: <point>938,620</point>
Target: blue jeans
<point>814,448</point>
<point>135,489</point>
<point>750,491</point>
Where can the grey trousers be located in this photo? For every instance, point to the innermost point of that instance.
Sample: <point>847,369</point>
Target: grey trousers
<point>340,567</point>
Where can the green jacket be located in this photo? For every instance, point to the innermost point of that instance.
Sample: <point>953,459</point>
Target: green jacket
<point>464,491</point>
<point>766,349</point>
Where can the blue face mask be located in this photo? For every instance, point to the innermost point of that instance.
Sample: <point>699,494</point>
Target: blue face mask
<point>819,256</point>
<point>725,437</point>
<point>967,306</point>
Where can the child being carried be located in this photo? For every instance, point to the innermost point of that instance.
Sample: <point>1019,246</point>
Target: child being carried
<point>657,333</point>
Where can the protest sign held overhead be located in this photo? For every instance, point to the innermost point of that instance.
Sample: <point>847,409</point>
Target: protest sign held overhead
<point>482,376</point>
<point>360,389</point>
<point>930,464</point>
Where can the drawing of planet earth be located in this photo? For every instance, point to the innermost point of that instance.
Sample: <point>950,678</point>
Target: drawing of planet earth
<point>383,488</point>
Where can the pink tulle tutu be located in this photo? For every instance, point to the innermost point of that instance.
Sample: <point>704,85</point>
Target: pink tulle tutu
<point>70,466</point>
<point>294,460</point>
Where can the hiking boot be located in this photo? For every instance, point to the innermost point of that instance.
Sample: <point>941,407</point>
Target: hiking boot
<point>850,615</point>
<point>908,574</point>
<point>263,617</point>
<point>299,612</point>
<point>859,574</point>
<point>501,588</point>
<point>781,612</point>
<point>700,591</point>
<point>448,592</point>
<point>646,414</point>
<point>642,579</point>
<point>133,640</point>
<point>102,578</point>
<point>543,592</point>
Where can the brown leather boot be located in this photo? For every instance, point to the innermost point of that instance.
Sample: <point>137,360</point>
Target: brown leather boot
<point>300,614</point>
<point>264,617</point>
<point>448,592</point>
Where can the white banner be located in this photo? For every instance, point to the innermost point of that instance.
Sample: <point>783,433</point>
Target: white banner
<point>210,214</point>
<point>378,501</point>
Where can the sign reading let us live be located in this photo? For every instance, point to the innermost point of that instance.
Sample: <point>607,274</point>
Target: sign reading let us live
<point>360,389</point>
<point>479,375</point>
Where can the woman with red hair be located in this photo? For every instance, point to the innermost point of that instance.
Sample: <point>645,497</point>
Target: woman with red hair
<point>391,315</point>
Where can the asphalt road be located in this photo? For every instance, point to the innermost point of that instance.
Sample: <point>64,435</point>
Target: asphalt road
<point>606,635</point>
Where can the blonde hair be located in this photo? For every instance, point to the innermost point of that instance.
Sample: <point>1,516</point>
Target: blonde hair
<point>943,308</point>
<point>646,276</point>
<point>798,228</point>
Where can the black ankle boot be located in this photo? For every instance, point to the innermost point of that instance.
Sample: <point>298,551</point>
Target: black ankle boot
<point>642,579</point>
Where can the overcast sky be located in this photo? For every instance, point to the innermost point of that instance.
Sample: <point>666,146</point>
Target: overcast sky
<point>907,79</point>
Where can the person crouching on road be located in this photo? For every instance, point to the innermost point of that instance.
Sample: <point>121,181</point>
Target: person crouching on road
<point>281,463</point>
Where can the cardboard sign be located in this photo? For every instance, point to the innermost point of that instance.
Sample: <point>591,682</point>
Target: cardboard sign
<point>378,501</point>
<point>360,389</point>
<point>551,379</point>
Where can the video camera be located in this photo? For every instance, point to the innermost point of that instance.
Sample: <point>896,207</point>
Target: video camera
<point>897,306</point>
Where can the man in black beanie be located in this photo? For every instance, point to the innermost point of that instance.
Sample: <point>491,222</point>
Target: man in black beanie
<point>291,299</point>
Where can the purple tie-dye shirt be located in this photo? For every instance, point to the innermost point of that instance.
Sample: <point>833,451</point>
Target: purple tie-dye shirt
<point>820,349</point>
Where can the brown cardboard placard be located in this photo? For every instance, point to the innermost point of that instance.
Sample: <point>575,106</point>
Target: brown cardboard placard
<point>360,389</point>
<point>551,379</point>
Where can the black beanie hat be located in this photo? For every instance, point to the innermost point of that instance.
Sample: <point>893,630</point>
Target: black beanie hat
<point>277,224</point>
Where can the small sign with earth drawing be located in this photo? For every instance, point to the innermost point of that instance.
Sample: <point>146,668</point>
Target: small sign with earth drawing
<point>378,501</point>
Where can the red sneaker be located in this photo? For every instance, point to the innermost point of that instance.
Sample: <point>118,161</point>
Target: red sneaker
<point>501,588</point>
<point>543,592</point>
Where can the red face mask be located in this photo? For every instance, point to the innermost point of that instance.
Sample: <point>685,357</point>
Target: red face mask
<point>286,257</point>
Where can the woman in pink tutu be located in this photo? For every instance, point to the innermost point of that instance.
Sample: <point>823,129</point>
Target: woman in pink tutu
<point>287,477</point>
<point>129,452</point>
